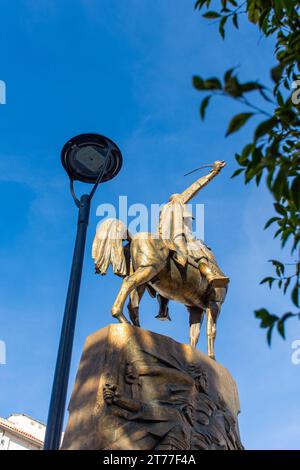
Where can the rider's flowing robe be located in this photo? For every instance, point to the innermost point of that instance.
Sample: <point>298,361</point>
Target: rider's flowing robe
<point>175,221</point>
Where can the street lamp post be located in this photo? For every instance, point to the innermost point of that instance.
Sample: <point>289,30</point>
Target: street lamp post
<point>90,158</point>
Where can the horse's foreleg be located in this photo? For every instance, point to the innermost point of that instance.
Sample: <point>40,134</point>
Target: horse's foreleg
<point>134,303</point>
<point>141,276</point>
<point>212,313</point>
<point>196,318</point>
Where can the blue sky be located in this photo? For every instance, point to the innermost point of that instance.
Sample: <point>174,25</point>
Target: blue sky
<point>124,69</point>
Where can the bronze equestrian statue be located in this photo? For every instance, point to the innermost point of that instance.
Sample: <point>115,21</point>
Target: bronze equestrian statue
<point>171,264</point>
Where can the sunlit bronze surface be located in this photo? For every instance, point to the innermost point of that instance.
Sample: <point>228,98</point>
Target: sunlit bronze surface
<point>137,390</point>
<point>171,263</point>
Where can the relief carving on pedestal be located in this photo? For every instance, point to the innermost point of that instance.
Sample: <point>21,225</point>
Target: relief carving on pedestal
<point>154,405</point>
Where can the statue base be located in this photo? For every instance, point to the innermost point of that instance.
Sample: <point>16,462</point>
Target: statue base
<point>138,390</point>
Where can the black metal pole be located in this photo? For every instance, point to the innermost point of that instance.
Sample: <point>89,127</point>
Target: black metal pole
<point>63,362</point>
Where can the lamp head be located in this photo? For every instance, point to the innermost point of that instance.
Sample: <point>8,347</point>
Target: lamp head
<point>84,156</point>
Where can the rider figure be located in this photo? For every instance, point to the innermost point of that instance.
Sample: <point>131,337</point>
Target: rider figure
<point>175,230</point>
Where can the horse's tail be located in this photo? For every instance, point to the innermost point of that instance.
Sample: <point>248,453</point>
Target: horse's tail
<point>108,247</point>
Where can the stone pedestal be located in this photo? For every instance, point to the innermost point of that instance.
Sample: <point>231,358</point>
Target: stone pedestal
<point>140,390</point>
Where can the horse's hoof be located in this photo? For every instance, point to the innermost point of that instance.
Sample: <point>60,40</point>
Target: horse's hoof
<point>212,356</point>
<point>134,317</point>
<point>123,319</point>
<point>135,322</point>
<point>163,317</point>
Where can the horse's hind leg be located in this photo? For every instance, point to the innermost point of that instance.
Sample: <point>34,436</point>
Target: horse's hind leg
<point>196,318</point>
<point>141,276</point>
<point>134,303</point>
<point>212,313</point>
<point>163,313</point>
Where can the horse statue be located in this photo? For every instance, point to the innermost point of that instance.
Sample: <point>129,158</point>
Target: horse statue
<point>147,262</point>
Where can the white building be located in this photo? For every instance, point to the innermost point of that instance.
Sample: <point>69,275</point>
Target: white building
<point>21,432</point>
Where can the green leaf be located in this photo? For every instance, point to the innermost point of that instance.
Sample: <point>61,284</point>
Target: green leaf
<point>242,159</point>
<point>271,221</point>
<point>262,21</point>
<point>250,173</point>
<point>280,208</point>
<point>286,235</point>
<point>279,186</point>
<point>199,4</point>
<point>253,12</point>
<point>278,232</point>
<point>221,26</point>
<point>233,87</point>
<point>228,74</point>
<point>279,99</point>
<point>269,280</point>
<point>249,148</point>
<point>264,128</point>
<point>237,122</point>
<point>204,105</point>
<point>286,284</point>
<point>267,319</point>
<point>237,172</point>
<point>235,21</point>
<point>269,335</point>
<point>280,324</point>
<point>276,73</point>
<point>213,84</point>
<point>295,295</point>
<point>257,156</point>
<point>198,83</point>
<point>278,265</point>
<point>295,191</point>
<point>280,328</point>
<point>250,86</point>
<point>258,178</point>
<point>211,15</point>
